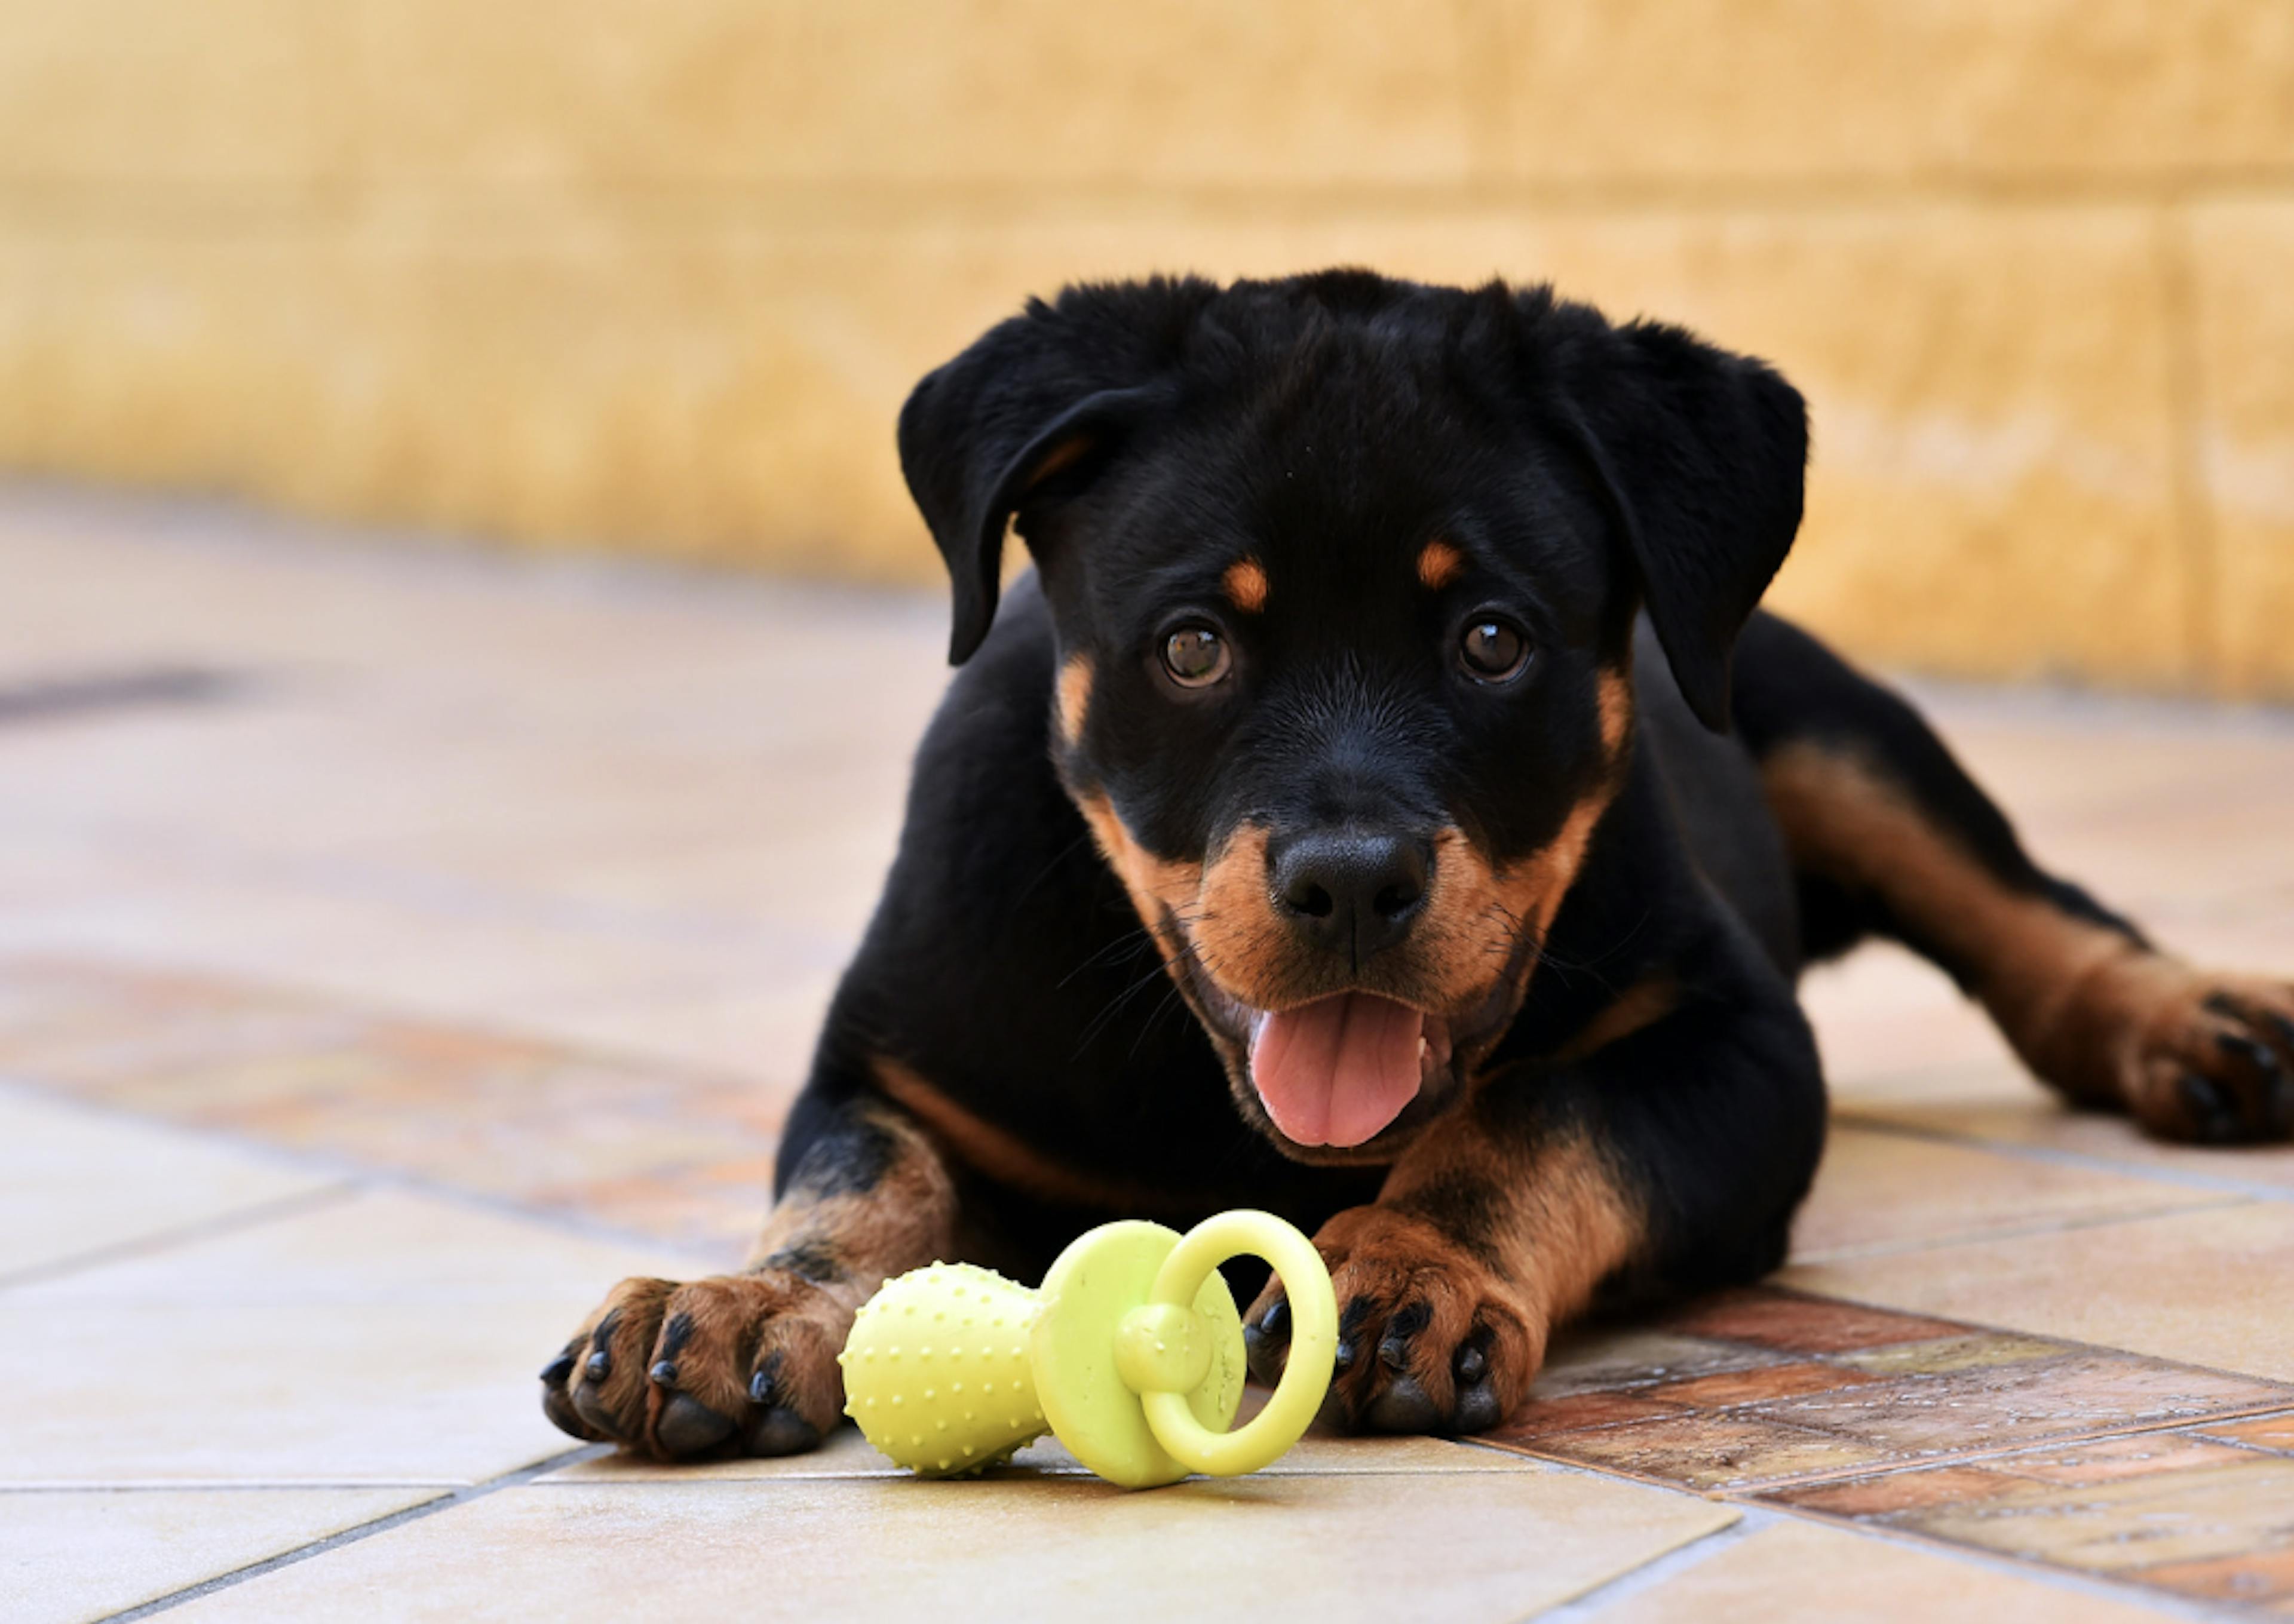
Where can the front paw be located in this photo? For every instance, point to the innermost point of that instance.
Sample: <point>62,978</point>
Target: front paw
<point>2214,1062</point>
<point>740,1364</point>
<point>1430,1339</point>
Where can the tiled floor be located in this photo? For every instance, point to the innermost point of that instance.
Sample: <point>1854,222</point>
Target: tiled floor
<point>395,948</point>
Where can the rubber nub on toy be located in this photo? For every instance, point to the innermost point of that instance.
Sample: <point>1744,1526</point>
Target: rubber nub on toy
<point>937,1372</point>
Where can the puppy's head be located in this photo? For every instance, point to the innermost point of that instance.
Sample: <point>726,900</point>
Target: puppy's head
<point>1343,572</point>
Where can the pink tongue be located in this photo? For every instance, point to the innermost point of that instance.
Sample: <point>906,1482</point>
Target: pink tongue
<point>1336,1071</point>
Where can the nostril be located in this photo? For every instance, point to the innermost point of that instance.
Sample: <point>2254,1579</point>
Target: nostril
<point>1309,900</point>
<point>1395,900</point>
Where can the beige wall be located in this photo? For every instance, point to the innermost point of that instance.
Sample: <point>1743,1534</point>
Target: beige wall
<point>658,272</point>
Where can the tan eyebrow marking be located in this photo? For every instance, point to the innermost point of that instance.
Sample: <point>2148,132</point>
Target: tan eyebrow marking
<point>1245,581</point>
<point>1074,696</point>
<point>1438,564</point>
<point>1615,690</point>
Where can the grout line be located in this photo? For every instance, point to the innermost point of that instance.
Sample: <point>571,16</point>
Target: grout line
<point>1681,1559</point>
<point>203,1229</point>
<point>350,1536</point>
<point>2086,1161</point>
<point>360,1177</point>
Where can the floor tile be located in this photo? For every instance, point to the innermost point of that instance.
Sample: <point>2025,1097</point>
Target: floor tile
<point>651,1149</point>
<point>2167,1511</point>
<point>1992,1106</point>
<point>1972,1350</point>
<point>1600,1358</point>
<point>1495,1546</point>
<point>74,1182</point>
<point>1800,1574</point>
<point>1987,1406</point>
<point>1715,1451</point>
<point>1882,1010</point>
<point>535,881</point>
<point>2259,1579</point>
<point>73,1555</point>
<point>2206,1287</point>
<point>1797,1324</point>
<point>390,1337</point>
<point>1847,1389</point>
<point>1731,1388</point>
<point>1879,1191</point>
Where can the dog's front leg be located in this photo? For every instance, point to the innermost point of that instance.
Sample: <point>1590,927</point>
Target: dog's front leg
<point>1669,1158</point>
<point>745,1364</point>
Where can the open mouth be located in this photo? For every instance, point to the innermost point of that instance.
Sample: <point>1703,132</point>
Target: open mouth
<point>1335,1073</point>
<point>1338,1070</point>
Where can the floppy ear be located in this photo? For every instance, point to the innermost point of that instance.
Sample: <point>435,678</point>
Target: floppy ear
<point>1703,456</point>
<point>1035,397</point>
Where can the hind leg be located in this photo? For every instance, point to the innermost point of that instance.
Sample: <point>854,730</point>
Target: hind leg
<point>1889,836</point>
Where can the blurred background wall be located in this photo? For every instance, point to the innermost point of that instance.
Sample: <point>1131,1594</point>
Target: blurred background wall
<point>655,274</point>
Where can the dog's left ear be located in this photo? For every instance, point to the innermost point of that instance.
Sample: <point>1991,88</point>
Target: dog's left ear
<point>1704,457</point>
<point>1025,413</point>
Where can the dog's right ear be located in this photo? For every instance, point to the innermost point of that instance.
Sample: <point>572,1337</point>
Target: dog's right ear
<point>1034,396</point>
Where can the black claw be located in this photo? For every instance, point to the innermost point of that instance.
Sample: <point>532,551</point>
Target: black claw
<point>2260,1056</point>
<point>766,1379</point>
<point>2213,1117</point>
<point>563,1417</point>
<point>1408,1320</point>
<point>2223,1004</point>
<point>599,1365</point>
<point>687,1426</point>
<point>557,1370</point>
<point>2282,1104</point>
<point>1470,1365</point>
<point>1264,1354</point>
<point>663,1373</point>
<point>1266,1340</point>
<point>1344,1359</point>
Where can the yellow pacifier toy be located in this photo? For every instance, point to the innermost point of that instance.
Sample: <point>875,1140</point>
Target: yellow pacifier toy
<point>1131,1355</point>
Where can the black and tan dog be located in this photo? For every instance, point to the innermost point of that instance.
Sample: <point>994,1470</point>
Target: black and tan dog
<point>1347,819</point>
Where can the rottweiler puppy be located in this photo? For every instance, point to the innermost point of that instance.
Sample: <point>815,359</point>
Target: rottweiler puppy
<point>1383,803</point>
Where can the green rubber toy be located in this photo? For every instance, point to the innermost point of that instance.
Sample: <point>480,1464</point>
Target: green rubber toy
<point>1131,1354</point>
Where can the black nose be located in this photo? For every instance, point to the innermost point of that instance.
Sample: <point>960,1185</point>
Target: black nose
<point>1350,891</point>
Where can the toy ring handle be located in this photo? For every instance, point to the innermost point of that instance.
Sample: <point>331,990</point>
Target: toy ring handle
<point>1314,1341</point>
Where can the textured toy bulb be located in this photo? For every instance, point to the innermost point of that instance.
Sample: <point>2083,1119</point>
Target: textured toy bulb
<point>936,1369</point>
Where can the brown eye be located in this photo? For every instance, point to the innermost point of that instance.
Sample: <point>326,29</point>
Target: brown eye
<point>1492,650</point>
<point>1196,656</point>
